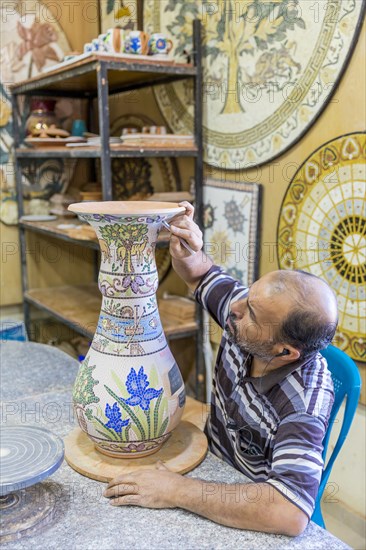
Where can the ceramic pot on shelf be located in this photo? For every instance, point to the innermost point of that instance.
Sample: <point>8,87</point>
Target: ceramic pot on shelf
<point>42,116</point>
<point>129,393</point>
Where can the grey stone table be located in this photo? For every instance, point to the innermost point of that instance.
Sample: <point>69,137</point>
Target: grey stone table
<point>36,383</point>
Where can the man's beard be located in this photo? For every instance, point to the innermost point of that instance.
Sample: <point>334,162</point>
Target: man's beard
<point>262,350</point>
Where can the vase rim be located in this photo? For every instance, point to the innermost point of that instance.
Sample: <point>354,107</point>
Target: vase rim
<point>127,208</point>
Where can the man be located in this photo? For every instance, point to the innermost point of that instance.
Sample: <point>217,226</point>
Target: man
<point>272,395</point>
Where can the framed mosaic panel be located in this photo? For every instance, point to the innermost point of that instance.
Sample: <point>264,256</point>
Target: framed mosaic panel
<point>231,220</point>
<point>269,69</point>
<point>322,230</point>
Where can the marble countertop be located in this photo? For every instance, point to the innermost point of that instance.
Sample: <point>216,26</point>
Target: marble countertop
<point>36,382</point>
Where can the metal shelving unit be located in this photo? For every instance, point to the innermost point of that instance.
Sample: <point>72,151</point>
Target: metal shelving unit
<point>95,78</point>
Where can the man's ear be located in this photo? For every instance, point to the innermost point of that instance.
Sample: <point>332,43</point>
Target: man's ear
<point>286,353</point>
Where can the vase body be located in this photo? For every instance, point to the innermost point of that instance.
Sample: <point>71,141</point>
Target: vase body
<point>129,393</point>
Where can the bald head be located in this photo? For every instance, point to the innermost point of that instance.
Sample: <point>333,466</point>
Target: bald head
<point>307,291</point>
<point>312,314</point>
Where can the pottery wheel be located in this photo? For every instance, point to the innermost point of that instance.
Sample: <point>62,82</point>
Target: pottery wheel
<point>28,455</point>
<point>184,450</point>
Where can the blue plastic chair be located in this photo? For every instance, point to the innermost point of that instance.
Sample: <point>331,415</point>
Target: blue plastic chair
<point>347,384</point>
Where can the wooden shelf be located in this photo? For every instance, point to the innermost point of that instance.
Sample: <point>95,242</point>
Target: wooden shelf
<point>51,229</point>
<point>80,77</point>
<point>79,306</point>
<point>94,78</point>
<point>95,152</point>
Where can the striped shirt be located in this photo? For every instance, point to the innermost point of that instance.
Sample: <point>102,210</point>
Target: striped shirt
<point>276,422</point>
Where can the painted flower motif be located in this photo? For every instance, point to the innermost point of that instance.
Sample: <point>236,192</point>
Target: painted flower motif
<point>115,421</point>
<point>136,448</point>
<point>208,216</point>
<point>37,40</point>
<point>133,281</point>
<point>277,142</point>
<point>328,75</point>
<point>304,113</point>
<point>345,26</point>
<point>137,387</point>
<point>220,243</point>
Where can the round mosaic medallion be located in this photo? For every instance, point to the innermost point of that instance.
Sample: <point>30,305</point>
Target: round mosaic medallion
<point>269,68</point>
<point>322,229</point>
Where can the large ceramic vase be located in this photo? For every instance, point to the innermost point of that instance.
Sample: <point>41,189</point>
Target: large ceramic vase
<point>129,393</point>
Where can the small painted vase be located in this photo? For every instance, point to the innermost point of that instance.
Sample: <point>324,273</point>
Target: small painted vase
<point>129,393</point>
<point>115,40</point>
<point>159,44</point>
<point>137,43</point>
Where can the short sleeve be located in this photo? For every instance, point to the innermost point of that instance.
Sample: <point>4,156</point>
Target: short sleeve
<point>216,291</point>
<point>297,462</point>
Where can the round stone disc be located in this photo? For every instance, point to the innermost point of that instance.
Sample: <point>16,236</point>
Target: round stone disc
<point>29,511</point>
<point>28,454</point>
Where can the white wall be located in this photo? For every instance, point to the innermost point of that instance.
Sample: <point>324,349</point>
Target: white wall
<point>347,482</point>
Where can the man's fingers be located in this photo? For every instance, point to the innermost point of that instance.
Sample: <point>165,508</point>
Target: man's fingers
<point>184,222</point>
<point>121,481</point>
<point>121,489</point>
<point>126,500</point>
<point>124,478</point>
<point>194,240</point>
<point>189,208</point>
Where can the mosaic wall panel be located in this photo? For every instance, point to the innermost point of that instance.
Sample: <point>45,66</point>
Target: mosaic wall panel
<point>231,223</point>
<point>270,67</point>
<point>322,230</point>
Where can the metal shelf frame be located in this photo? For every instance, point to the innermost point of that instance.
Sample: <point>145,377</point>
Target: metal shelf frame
<point>99,77</point>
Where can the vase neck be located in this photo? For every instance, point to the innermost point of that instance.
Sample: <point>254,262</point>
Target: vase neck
<point>128,268</point>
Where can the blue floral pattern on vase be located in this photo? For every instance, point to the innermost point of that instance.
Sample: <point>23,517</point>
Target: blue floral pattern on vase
<point>115,421</point>
<point>137,387</point>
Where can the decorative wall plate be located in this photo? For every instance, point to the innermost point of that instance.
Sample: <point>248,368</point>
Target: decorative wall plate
<point>322,229</point>
<point>144,176</point>
<point>269,68</point>
<point>231,219</point>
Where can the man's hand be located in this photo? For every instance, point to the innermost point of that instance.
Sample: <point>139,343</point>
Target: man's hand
<point>223,503</point>
<point>184,227</point>
<point>153,488</point>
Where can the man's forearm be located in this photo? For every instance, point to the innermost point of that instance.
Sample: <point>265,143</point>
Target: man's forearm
<point>192,268</point>
<point>255,506</point>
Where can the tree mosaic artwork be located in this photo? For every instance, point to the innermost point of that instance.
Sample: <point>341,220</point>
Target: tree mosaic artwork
<point>269,65</point>
<point>130,240</point>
